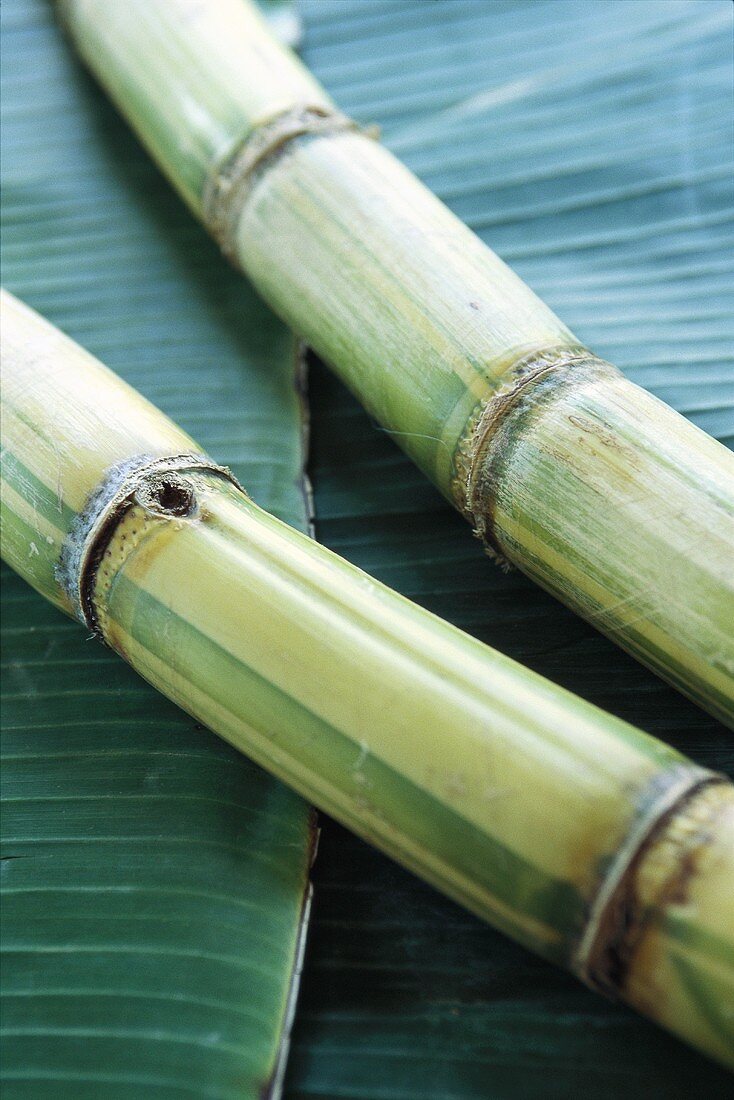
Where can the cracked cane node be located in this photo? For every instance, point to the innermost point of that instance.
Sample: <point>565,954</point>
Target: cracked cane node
<point>145,487</point>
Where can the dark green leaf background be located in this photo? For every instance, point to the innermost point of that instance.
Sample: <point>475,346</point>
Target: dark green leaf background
<point>589,144</point>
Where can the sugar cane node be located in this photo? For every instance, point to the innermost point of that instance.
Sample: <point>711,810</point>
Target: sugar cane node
<point>649,873</point>
<point>231,182</point>
<point>530,381</point>
<point>144,487</point>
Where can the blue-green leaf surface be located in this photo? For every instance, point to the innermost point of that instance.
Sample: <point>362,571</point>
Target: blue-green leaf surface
<point>585,142</point>
<point>154,880</point>
<point>590,145</point>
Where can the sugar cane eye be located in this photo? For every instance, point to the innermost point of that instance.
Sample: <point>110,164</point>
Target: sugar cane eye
<point>168,495</point>
<point>174,498</point>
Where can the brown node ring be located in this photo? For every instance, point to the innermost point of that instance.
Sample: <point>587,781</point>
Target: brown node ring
<point>158,485</point>
<point>231,181</point>
<point>650,871</point>
<point>488,438</point>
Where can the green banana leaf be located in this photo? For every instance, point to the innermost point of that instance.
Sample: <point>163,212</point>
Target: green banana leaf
<point>155,882</point>
<point>590,145</point>
<point>582,141</point>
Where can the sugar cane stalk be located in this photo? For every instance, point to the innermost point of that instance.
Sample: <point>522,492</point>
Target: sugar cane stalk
<point>597,490</point>
<point>591,843</point>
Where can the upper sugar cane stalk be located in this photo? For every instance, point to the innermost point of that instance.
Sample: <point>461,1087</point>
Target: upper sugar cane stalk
<point>590,485</point>
<point>591,843</point>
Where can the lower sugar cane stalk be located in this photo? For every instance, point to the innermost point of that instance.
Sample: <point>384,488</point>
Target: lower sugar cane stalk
<point>591,843</point>
<point>600,492</point>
